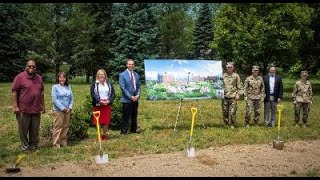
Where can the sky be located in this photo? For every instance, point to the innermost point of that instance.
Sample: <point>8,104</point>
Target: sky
<point>180,68</point>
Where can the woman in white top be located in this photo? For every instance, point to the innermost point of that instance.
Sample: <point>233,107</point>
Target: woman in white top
<point>103,94</point>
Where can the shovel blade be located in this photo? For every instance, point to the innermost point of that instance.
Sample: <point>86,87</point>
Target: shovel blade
<point>102,159</point>
<point>190,151</point>
<point>13,170</point>
<point>278,144</point>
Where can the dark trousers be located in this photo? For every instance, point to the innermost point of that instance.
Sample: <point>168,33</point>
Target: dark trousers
<point>129,112</point>
<point>29,125</point>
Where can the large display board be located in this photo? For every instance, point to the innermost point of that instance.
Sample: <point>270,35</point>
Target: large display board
<point>168,79</point>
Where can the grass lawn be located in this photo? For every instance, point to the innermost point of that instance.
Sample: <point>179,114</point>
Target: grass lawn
<point>157,121</point>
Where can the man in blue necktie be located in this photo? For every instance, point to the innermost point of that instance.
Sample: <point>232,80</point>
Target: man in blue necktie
<point>274,91</point>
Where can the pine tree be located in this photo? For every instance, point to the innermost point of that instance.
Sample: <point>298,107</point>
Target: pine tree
<point>83,27</point>
<point>137,36</point>
<point>203,33</point>
<point>103,36</point>
<point>12,46</point>
<point>48,34</point>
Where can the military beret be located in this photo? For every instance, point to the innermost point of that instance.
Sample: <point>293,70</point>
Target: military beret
<point>304,73</point>
<point>255,68</point>
<point>229,64</point>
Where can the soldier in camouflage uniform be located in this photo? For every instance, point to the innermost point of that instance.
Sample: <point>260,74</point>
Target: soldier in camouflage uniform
<point>232,91</point>
<point>302,98</point>
<point>253,95</point>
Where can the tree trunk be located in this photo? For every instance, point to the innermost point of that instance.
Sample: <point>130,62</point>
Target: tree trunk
<point>87,76</point>
<point>57,68</point>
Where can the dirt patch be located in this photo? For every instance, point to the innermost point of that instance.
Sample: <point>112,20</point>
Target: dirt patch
<point>296,159</point>
<point>206,159</point>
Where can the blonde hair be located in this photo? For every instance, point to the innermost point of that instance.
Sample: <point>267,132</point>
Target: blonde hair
<point>101,71</point>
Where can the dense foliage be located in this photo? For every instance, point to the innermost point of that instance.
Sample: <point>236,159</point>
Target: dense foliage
<point>88,36</point>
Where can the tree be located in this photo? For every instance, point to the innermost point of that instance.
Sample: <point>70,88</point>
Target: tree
<point>103,36</point>
<point>175,26</point>
<point>203,33</point>
<point>12,44</point>
<point>61,41</point>
<point>93,38</point>
<point>136,36</point>
<point>83,27</point>
<point>261,33</point>
<point>48,33</point>
<point>310,48</point>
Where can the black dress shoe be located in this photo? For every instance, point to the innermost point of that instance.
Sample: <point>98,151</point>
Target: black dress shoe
<point>135,131</point>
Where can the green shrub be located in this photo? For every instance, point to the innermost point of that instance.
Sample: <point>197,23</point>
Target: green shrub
<point>116,112</point>
<point>116,115</point>
<point>46,126</point>
<point>78,124</point>
<point>88,109</point>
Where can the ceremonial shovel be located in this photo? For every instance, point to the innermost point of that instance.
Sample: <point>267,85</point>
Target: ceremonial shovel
<point>190,150</point>
<point>14,168</point>
<point>101,158</point>
<point>277,143</point>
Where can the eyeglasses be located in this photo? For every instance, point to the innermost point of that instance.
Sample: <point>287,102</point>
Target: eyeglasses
<point>31,66</point>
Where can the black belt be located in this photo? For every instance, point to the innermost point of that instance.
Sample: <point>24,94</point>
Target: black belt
<point>228,98</point>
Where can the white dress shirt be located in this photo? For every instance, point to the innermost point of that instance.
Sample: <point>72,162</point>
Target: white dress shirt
<point>271,83</point>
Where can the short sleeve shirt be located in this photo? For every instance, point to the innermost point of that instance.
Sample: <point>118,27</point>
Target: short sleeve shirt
<point>29,90</point>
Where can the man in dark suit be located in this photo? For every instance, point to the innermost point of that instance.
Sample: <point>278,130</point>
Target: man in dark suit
<point>130,87</point>
<point>274,91</point>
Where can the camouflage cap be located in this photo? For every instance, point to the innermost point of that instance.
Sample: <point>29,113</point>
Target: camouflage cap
<point>304,73</point>
<point>255,68</point>
<point>229,64</point>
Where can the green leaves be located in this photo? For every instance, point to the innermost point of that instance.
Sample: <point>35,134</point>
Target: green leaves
<point>203,33</point>
<point>12,46</point>
<point>259,33</point>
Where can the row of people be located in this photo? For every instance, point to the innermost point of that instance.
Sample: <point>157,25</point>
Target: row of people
<point>267,90</point>
<point>28,103</point>
<point>28,100</point>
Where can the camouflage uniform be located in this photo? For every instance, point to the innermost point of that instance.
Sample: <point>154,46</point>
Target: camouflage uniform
<point>302,98</point>
<point>232,88</point>
<point>254,95</point>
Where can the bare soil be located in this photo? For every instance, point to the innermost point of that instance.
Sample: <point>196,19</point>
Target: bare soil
<point>297,158</point>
